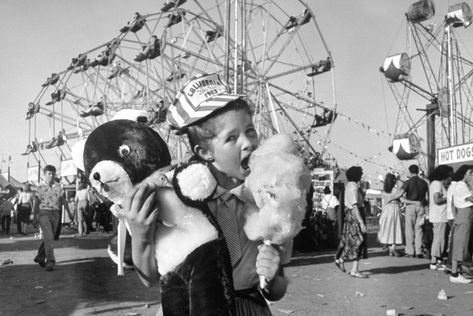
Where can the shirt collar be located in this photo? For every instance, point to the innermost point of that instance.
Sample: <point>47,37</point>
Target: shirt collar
<point>240,192</point>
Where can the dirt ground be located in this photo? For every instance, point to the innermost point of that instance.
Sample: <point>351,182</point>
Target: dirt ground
<point>85,283</point>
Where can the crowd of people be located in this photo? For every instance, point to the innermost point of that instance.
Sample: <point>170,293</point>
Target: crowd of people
<point>46,210</point>
<point>431,217</point>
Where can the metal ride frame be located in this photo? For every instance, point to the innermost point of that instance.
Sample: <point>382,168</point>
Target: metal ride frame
<point>271,51</point>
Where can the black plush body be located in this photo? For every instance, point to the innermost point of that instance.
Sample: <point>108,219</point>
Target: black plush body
<point>201,285</point>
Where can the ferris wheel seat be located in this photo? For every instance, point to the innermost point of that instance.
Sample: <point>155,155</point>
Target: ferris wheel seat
<point>78,61</point>
<point>396,67</point>
<point>57,96</point>
<point>175,75</point>
<point>53,79</point>
<point>118,70</point>
<point>320,67</point>
<point>172,4</point>
<point>33,108</point>
<point>81,68</point>
<point>295,21</point>
<point>459,14</point>
<point>135,24</point>
<point>94,110</point>
<point>420,11</point>
<point>175,18</point>
<point>406,146</point>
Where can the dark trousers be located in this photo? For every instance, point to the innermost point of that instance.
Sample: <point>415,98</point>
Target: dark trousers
<point>6,220</point>
<point>41,250</point>
<point>89,218</point>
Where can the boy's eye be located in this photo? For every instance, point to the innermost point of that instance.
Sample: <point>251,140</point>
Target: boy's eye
<point>231,138</point>
<point>251,131</point>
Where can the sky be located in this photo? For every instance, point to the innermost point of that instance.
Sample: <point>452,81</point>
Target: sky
<point>41,37</point>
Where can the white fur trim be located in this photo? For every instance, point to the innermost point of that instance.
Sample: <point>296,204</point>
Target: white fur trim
<point>173,245</point>
<point>196,182</point>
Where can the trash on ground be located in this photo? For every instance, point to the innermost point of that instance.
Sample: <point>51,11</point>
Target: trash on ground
<point>442,295</point>
<point>285,311</point>
<point>391,312</point>
<point>321,295</point>
<point>38,287</point>
<point>359,294</point>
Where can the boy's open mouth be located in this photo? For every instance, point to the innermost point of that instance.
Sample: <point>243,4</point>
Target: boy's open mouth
<point>244,163</point>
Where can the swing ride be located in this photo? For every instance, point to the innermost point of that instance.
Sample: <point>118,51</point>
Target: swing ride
<point>432,76</point>
<point>271,51</point>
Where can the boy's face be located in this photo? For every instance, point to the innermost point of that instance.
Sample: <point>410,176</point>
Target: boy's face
<point>49,176</point>
<point>235,139</point>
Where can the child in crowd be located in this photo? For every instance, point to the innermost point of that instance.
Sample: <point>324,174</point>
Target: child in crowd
<point>221,133</point>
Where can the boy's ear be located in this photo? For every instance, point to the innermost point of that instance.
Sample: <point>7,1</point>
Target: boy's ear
<point>203,153</point>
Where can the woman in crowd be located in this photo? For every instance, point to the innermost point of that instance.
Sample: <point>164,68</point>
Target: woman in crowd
<point>353,242</point>
<point>439,180</point>
<point>390,229</point>
<point>25,202</point>
<point>463,213</point>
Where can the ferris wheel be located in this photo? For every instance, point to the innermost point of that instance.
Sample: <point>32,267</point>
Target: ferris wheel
<point>271,51</point>
<point>433,76</point>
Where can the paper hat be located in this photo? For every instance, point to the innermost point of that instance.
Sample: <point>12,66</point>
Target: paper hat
<point>200,96</point>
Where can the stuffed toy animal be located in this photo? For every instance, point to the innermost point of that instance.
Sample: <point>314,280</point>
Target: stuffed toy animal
<point>279,182</point>
<point>118,155</point>
<point>191,253</point>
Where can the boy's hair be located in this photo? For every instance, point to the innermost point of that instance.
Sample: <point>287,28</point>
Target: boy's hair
<point>50,168</point>
<point>354,173</point>
<point>414,169</point>
<point>201,132</point>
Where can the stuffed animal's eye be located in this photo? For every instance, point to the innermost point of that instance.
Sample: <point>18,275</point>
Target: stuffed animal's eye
<point>123,151</point>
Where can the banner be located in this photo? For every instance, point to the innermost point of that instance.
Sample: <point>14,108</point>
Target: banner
<point>455,154</point>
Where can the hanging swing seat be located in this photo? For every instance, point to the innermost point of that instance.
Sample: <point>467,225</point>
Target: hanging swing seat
<point>396,67</point>
<point>33,108</point>
<point>175,17</point>
<point>172,4</point>
<point>211,36</point>
<point>320,67</point>
<point>150,50</point>
<point>294,21</point>
<point>459,14</point>
<point>94,110</point>
<point>406,146</point>
<point>420,11</point>
<point>53,79</point>
<point>135,24</point>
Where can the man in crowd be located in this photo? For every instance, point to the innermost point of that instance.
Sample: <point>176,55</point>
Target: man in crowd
<point>416,193</point>
<point>47,207</point>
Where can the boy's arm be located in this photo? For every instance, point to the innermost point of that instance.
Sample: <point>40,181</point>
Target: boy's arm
<point>277,287</point>
<point>144,261</point>
<point>141,217</point>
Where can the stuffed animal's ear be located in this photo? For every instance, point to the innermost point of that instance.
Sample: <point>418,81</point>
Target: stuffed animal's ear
<point>194,183</point>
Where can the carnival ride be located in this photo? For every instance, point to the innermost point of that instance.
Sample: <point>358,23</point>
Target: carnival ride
<point>433,75</point>
<point>271,51</point>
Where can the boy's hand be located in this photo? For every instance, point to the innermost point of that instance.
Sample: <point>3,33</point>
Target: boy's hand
<point>267,261</point>
<point>142,212</point>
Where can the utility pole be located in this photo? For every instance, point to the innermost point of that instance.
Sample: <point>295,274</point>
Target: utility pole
<point>432,110</point>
